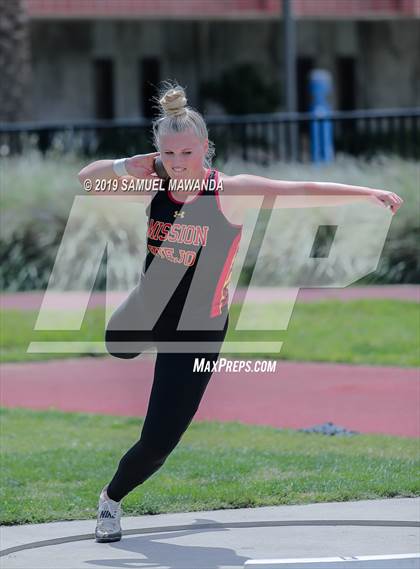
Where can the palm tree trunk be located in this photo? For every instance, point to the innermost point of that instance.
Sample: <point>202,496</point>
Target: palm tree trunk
<point>14,66</point>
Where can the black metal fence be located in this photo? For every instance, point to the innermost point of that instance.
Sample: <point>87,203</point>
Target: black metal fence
<point>256,138</point>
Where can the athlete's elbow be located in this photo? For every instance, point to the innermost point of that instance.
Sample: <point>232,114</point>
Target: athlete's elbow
<point>82,175</point>
<point>85,172</point>
<point>308,188</point>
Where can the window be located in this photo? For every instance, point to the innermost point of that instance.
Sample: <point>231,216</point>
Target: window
<point>149,78</point>
<point>104,88</point>
<point>304,67</point>
<point>346,83</point>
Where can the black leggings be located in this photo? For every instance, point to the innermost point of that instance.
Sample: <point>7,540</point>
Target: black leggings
<point>175,396</point>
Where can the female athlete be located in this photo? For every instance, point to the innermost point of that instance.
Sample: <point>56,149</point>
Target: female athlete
<point>194,233</point>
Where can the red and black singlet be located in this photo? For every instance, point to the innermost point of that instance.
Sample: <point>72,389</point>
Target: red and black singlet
<point>186,240</point>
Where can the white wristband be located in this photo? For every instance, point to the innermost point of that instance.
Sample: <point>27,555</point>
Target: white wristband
<point>119,167</point>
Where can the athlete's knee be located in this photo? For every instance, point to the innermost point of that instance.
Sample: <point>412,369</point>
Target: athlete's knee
<point>114,344</point>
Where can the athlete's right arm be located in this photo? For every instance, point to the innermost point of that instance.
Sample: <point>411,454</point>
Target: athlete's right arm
<point>138,166</point>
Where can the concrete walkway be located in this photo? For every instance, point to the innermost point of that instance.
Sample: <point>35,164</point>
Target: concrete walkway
<point>220,539</point>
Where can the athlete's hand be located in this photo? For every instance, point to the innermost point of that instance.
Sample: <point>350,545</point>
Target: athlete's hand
<point>141,165</point>
<point>387,199</point>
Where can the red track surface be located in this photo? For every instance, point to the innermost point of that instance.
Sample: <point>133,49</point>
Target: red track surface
<point>32,300</point>
<point>363,398</point>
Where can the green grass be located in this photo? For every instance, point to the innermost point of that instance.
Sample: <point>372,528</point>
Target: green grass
<point>17,332</point>
<point>54,465</point>
<point>373,332</point>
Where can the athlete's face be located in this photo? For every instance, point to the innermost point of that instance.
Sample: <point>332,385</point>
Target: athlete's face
<point>182,154</point>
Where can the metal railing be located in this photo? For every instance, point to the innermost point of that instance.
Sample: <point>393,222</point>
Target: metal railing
<point>259,138</point>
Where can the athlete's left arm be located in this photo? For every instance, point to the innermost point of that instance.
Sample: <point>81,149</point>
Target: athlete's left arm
<point>304,194</point>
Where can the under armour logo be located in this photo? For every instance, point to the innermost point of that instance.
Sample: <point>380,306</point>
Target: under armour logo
<point>179,213</point>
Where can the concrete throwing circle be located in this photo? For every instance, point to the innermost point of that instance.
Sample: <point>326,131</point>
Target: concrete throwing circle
<point>216,525</point>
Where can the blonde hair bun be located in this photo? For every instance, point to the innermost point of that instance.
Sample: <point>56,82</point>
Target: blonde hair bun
<point>174,102</point>
<point>173,116</point>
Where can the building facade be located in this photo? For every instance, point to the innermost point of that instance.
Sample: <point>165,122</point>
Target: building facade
<point>102,59</point>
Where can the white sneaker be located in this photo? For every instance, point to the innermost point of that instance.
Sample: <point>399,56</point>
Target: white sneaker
<point>108,527</point>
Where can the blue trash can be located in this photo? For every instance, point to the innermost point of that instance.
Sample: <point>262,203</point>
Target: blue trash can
<point>322,140</point>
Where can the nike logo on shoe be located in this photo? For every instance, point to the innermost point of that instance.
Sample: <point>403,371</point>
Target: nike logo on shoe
<point>106,514</point>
